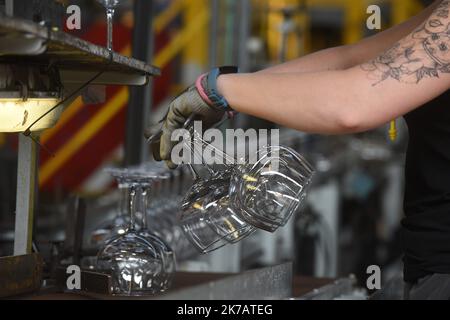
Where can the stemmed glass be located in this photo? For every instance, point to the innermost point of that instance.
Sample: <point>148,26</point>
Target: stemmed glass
<point>110,6</point>
<point>121,221</point>
<point>168,194</point>
<point>139,262</point>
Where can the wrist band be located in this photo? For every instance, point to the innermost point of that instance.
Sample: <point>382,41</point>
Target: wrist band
<point>201,90</point>
<point>213,94</point>
<point>207,87</point>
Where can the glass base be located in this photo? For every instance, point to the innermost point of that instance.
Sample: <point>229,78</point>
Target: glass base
<point>135,263</point>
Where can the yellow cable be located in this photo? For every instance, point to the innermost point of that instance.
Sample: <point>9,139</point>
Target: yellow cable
<point>393,131</point>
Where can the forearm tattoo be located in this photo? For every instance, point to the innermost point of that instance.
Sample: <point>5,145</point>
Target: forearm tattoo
<point>423,54</point>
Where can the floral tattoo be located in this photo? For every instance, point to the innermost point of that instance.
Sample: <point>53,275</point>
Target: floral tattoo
<point>425,53</point>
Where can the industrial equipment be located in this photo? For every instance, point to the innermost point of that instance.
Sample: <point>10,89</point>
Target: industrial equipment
<point>43,70</point>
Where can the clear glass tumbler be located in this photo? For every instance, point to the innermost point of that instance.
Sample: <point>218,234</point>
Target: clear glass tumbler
<point>269,191</point>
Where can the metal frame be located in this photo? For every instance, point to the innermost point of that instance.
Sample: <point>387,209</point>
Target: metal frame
<point>244,35</point>
<point>140,98</point>
<point>9,7</point>
<point>65,51</point>
<point>20,274</point>
<point>339,288</point>
<point>266,283</point>
<point>25,198</point>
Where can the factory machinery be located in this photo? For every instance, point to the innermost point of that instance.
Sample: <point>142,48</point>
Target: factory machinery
<point>44,69</point>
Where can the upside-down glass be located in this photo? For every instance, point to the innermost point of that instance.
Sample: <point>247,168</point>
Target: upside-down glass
<point>266,190</point>
<point>269,191</point>
<point>110,6</point>
<point>121,221</point>
<point>140,263</point>
<point>224,206</point>
<point>206,216</point>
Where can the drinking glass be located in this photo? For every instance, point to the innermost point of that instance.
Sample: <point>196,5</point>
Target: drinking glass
<point>269,191</point>
<point>228,202</point>
<point>262,193</point>
<point>110,6</point>
<point>206,216</point>
<point>121,221</point>
<point>138,261</point>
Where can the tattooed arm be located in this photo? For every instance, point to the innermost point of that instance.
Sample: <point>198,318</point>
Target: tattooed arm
<point>344,57</point>
<point>412,72</point>
<point>424,53</point>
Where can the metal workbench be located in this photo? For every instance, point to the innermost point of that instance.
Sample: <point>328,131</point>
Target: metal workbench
<point>272,283</point>
<point>24,41</point>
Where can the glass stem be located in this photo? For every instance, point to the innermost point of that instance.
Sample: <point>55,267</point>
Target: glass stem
<point>132,207</point>
<point>144,204</point>
<point>194,173</point>
<point>138,200</point>
<point>124,201</point>
<point>109,18</point>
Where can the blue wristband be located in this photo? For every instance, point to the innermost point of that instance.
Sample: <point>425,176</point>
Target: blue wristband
<point>213,94</point>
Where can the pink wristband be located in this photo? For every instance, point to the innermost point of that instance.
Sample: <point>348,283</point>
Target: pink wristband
<point>201,91</point>
<point>231,114</point>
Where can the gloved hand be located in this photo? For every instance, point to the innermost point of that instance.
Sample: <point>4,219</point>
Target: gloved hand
<point>199,99</point>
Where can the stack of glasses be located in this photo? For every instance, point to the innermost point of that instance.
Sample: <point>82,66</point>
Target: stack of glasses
<point>165,193</point>
<point>226,205</point>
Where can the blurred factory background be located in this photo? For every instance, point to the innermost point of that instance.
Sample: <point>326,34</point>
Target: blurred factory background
<point>355,205</point>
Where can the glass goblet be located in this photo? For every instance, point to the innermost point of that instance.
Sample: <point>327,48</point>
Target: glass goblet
<point>139,262</point>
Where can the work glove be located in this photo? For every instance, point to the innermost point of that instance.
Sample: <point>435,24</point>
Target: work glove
<point>201,102</point>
